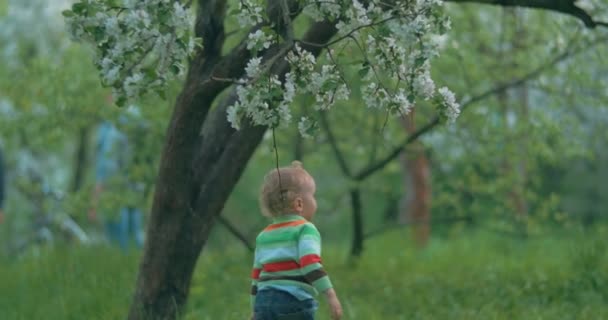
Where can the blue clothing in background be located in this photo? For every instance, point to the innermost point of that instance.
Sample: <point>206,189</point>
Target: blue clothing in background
<point>128,227</point>
<point>112,159</point>
<point>112,151</point>
<point>2,182</point>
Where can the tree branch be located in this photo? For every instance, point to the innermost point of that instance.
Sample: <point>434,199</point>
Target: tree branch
<point>563,6</point>
<point>369,170</point>
<point>231,66</point>
<point>334,145</point>
<point>209,26</point>
<point>235,231</point>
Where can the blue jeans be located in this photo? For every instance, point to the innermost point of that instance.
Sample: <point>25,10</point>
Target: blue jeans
<point>128,227</point>
<point>272,304</point>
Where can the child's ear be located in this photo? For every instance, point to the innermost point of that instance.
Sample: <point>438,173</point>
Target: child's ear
<point>299,203</point>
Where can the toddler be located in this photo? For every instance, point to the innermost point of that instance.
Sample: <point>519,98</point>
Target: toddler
<point>287,271</point>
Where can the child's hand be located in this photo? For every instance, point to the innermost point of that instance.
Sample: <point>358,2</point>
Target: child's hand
<point>334,304</point>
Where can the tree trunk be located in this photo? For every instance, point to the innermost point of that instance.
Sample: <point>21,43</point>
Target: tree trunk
<point>416,204</point>
<point>80,159</point>
<point>298,149</point>
<point>523,119</point>
<point>514,105</point>
<point>184,213</point>
<point>358,237</point>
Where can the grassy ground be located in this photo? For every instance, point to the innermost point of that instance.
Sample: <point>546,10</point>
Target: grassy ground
<point>479,276</point>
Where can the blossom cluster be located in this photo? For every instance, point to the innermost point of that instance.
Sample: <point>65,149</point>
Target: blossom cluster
<point>250,13</point>
<point>139,45</point>
<point>266,100</point>
<point>261,98</point>
<point>396,42</point>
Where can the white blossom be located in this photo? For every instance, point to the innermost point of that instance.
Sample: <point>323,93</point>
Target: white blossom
<point>321,10</point>
<point>258,40</point>
<point>424,84</point>
<point>451,109</point>
<point>250,13</point>
<point>233,116</point>
<point>304,127</point>
<point>290,87</point>
<point>112,27</point>
<point>327,87</point>
<point>284,114</point>
<point>137,48</point>
<point>253,69</point>
<point>403,105</point>
<point>111,75</point>
<point>301,60</point>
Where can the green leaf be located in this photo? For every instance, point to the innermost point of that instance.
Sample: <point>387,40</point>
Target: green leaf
<point>162,94</point>
<point>419,62</point>
<point>363,71</point>
<point>384,31</point>
<point>113,3</point>
<point>150,72</point>
<point>411,98</point>
<point>79,7</point>
<point>175,69</point>
<point>98,34</point>
<point>329,85</point>
<point>121,101</point>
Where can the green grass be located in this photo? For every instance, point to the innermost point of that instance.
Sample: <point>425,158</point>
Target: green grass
<point>479,276</point>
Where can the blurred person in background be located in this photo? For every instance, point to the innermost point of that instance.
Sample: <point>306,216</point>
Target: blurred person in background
<point>113,152</point>
<point>2,188</point>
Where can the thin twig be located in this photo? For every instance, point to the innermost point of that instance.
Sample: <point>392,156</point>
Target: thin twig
<point>348,35</point>
<point>334,145</point>
<point>340,72</point>
<point>276,153</point>
<point>238,234</point>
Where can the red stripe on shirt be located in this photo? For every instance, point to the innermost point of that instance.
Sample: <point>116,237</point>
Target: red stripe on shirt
<point>281,266</point>
<point>285,224</point>
<point>255,274</point>
<point>309,259</point>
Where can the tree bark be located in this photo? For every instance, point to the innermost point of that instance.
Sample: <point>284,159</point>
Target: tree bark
<point>355,200</point>
<point>416,203</point>
<point>80,159</point>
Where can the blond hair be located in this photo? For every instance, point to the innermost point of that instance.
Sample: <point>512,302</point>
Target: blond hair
<point>281,187</point>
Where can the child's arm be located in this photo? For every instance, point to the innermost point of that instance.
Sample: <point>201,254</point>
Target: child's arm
<point>334,304</point>
<point>309,251</point>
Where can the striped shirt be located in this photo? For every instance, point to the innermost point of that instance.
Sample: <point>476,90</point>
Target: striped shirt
<point>288,258</point>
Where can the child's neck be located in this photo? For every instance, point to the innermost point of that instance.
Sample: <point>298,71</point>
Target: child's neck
<point>288,216</point>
